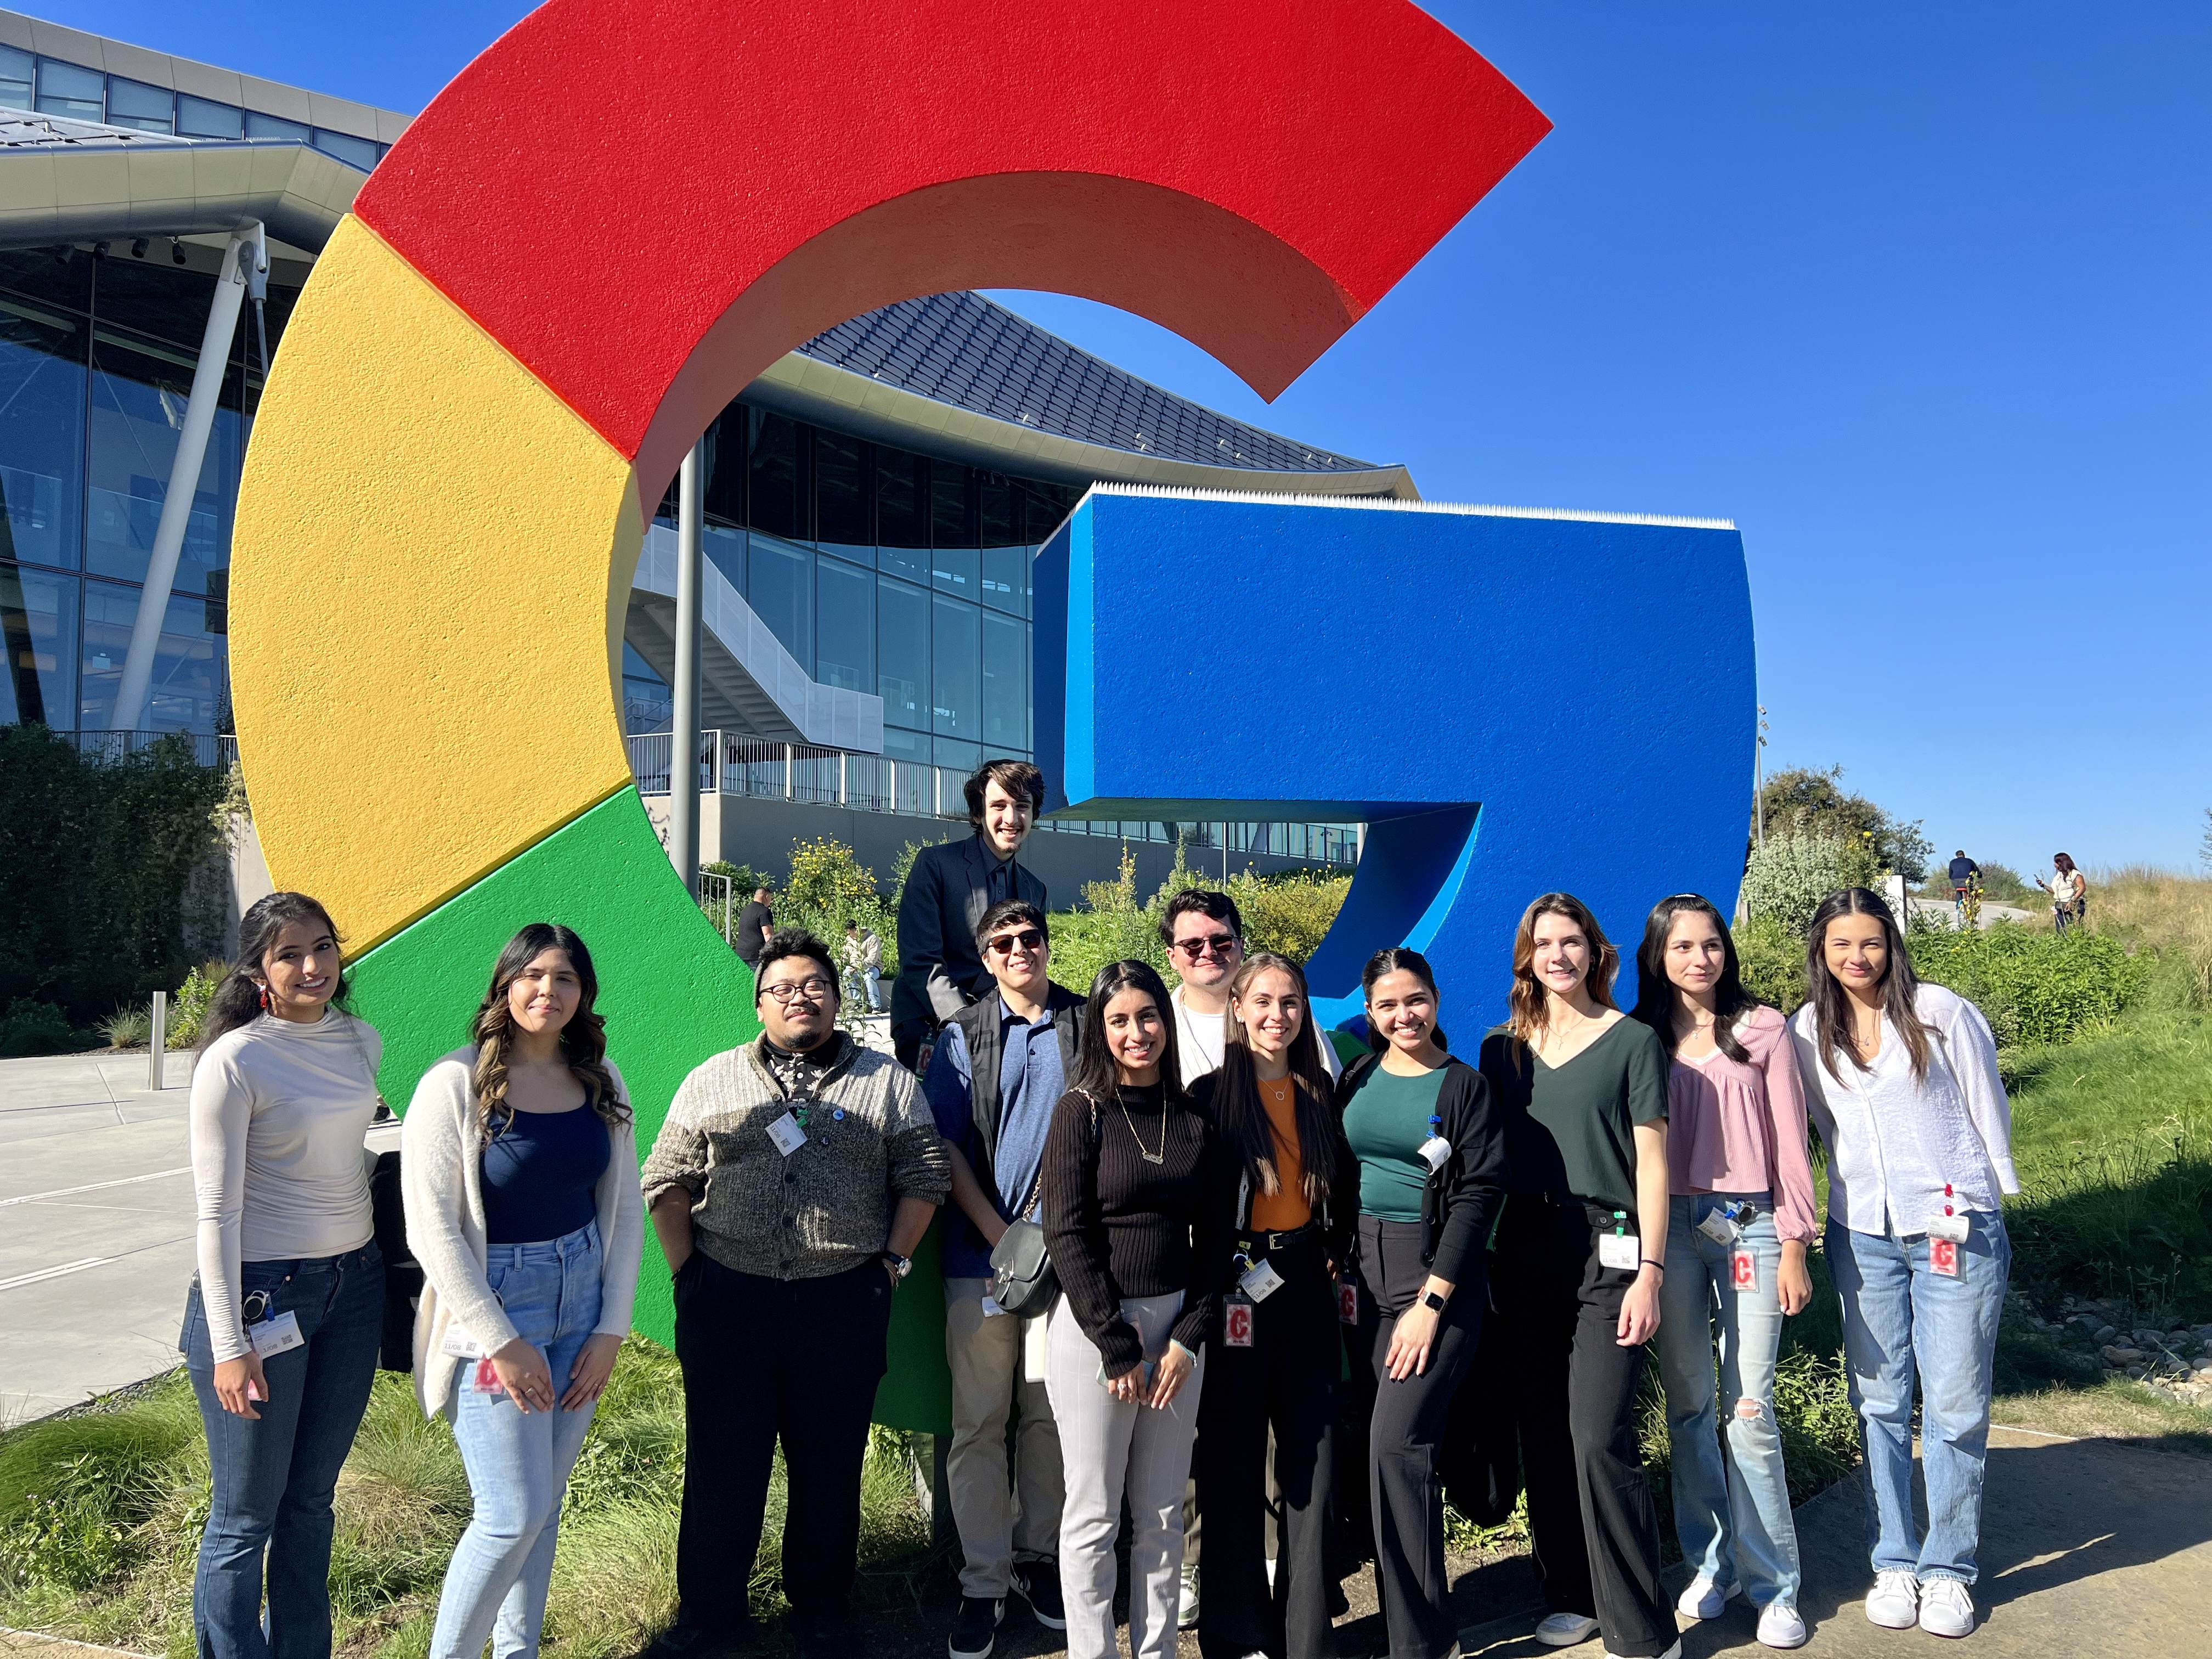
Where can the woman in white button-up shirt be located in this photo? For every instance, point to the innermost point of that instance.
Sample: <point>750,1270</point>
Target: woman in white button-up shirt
<point>1901,1080</point>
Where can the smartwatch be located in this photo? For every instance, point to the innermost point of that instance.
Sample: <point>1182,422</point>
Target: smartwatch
<point>901,1265</point>
<point>1431,1301</point>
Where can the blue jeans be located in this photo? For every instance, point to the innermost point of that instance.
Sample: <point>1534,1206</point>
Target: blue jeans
<point>1899,1315</point>
<point>1732,1504</point>
<point>519,1462</point>
<point>273,1478</point>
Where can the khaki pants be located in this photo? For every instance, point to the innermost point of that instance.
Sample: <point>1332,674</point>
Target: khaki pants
<point>1000,1517</point>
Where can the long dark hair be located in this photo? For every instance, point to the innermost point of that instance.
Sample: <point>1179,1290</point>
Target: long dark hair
<point>1527,1012</point>
<point>1094,1065</point>
<point>583,1039</point>
<point>237,999</point>
<point>1398,959</point>
<point>1237,1112</point>
<point>1654,991</point>
<point>1831,1010</point>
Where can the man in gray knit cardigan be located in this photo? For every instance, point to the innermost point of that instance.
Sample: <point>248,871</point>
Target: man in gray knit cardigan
<point>791,1182</point>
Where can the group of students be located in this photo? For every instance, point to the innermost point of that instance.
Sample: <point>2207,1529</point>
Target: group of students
<point>1259,1249</point>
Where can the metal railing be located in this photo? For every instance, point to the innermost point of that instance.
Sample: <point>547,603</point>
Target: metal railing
<point>735,764</point>
<point>210,749</point>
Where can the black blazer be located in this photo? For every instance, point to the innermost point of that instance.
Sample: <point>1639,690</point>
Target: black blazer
<point>1461,1201</point>
<point>946,893</point>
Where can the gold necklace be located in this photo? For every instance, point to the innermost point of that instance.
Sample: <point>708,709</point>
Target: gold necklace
<point>1161,1155</point>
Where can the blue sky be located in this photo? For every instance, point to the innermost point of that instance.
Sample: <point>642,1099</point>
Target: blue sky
<point>1915,294</point>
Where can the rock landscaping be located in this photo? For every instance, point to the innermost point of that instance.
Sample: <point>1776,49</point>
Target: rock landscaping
<point>2175,1362</point>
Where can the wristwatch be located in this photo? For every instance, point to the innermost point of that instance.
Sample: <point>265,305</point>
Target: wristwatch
<point>1433,1302</point>
<point>901,1265</point>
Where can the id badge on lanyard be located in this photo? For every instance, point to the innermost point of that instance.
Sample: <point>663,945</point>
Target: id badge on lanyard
<point>1236,1321</point>
<point>1618,1249</point>
<point>1945,1233</point>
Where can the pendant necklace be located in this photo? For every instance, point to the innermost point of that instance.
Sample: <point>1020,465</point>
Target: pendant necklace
<point>1161,1155</point>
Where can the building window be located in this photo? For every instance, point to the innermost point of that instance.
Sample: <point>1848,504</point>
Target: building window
<point>951,505</point>
<point>725,551</point>
<point>135,104</point>
<point>42,436</point>
<point>38,630</point>
<point>844,625</point>
<point>776,475</point>
<point>353,152</point>
<point>844,493</point>
<point>1006,684</point>
<point>139,390</point>
<point>187,691</point>
<point>902,519</point>
<point>782,594</point>
<point>198,118</point>
<point>903,654</point>
<point>65,89</point>
<point>1006,579</point>
<point>956,657</point>
<point>17,70</point>
<point>258,126</point>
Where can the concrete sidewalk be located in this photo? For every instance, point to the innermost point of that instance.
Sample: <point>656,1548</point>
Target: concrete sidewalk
<point>96,1226</point>
<point>2092,1546</point>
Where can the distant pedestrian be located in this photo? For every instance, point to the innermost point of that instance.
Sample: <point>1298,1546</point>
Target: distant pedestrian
<point>1902,1081</point>
<point>755,922</point>
<point>2069,892</point>
<point>864,956</point>
<point>286,1312</point>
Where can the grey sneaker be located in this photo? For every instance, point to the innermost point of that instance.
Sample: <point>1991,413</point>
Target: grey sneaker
<point>1186,1609</point>
<point>1565,1630</point>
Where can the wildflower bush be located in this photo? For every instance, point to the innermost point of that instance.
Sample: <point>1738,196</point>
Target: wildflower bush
<point>1787,878</point>
<point>2032,985</point>
<point>828,887</point>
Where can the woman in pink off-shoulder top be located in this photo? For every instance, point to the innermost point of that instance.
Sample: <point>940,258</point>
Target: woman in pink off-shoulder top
<point>1741,1180</point>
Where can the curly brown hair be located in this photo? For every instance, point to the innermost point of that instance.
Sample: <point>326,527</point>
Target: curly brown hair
<point>583,1039</point>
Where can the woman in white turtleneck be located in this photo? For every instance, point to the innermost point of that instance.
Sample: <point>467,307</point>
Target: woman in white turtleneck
<point>286,1313</point>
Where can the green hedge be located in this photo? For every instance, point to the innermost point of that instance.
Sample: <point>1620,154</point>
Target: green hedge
<point>2032,985</point>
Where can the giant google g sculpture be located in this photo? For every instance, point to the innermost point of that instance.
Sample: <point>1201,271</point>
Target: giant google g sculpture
<point>598,235</point>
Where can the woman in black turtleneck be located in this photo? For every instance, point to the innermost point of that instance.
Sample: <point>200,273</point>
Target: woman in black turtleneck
<point>1137,1203</point>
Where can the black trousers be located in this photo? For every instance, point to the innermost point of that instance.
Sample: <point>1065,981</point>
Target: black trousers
<point>1406,1433</point>
<point>766,1359</point>
<point>907,1038</point>
<point>1594,1530</point>
<point>1285,1382</point>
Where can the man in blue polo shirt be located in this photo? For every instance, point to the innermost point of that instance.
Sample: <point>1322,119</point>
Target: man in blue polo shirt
<point>996,1074</point>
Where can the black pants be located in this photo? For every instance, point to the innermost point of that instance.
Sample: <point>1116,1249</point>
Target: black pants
<point>765,1359</point>
<point>1405,1433</point>
<point>1591,1519</point>
<point>907,1038</point>
<point>1286,1381</point>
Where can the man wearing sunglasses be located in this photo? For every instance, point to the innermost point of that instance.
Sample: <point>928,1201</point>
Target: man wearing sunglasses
<point>946,893</point>
<point>997,1072</point>
<point>792,1181</point>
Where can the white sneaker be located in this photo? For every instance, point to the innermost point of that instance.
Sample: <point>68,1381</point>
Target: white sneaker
<point>1780,1626</point>
<point>1946,1608</point>
<point>1703,1599</point>
<point>1563,1630</point>
<point>1894,1601</point>
<point>1187,1609</point>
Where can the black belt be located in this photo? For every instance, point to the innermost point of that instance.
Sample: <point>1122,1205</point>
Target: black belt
<point>1272,1242</point>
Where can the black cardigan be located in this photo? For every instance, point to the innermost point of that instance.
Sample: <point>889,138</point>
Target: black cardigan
<point>1338,1213</point>
<point>1461,1200</point>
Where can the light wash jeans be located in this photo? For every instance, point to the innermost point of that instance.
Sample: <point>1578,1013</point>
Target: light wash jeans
<point>1732,1504</point>
<point>519,1462</point>
<point>1900,1314</point>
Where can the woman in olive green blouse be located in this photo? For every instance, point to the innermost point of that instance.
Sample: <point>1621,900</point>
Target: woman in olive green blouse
<point>1581,1252</point>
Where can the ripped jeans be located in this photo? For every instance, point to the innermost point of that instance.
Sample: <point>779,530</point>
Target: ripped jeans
<point>1731,1492</point>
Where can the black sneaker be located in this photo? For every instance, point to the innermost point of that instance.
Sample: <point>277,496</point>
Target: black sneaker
<point>976,1628</point>
<point>1038,1582</point>
<point>683,1641</point>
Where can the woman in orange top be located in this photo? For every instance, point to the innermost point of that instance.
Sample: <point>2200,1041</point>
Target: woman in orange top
<point>1279,1355</point>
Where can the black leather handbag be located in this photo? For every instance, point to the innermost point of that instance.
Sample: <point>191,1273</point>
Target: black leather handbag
<point>1023,1280</point>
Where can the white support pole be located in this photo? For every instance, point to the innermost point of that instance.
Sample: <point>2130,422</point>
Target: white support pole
<point>158,1038</point>
<point>246,250</point>
<point>684,741</point>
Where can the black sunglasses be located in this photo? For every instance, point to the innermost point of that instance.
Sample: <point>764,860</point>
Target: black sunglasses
<point>1219,944</point>
<point>1029,938</point>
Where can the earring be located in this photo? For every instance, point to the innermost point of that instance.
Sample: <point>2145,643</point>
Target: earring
<point>264,999</point>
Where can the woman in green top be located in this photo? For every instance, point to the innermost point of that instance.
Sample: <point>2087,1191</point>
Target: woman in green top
<point>1431,1154</point>
<point>1580,1252</point>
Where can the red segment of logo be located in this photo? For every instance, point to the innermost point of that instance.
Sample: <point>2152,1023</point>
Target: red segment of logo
<point>1943,1257</point>
<point>1237,1324</point>
<point>647,202</point>
<point>1747,1271</point>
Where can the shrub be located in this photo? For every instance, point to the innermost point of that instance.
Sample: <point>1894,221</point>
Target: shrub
<point>188,1008</point>
<point>830,887</point>
<point>1788,877</point>
<point>1772,959</point>
<point>1289,913</point>
<point>128,1027</point>
<point>37,1028</point>
<point>2030,986</point>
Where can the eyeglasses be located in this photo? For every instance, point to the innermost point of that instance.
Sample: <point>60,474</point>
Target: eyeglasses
<point>1223,945</point>
<point>813,989</point>
<point>1029,938</point>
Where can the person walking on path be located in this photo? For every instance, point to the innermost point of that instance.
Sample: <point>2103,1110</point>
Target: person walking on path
<point>2069,889</point>
<point>1431,1154</point>
<point>1743,1216</point>
<point>864,960</point>
<point>999,1069</point>
<point>286,1312</point>
<point>789,1185</point>
<point>946,893</point>
<point>1581,1259</point>
<point>517,1165</point>
<point>1272,1373</point>
<point>1137,1199</point>
<point>1901,1079</point>
<point>756,924</point>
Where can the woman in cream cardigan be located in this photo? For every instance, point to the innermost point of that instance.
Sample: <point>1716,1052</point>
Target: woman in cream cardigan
<point>520,1175</point>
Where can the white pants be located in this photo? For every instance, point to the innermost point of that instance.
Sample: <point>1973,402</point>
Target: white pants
<point>1107,1447</point>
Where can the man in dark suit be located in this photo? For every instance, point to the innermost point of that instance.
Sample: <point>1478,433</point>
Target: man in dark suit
<point>948,890</point>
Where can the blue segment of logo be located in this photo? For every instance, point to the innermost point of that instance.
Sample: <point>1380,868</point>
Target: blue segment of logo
<point>1512,702</point>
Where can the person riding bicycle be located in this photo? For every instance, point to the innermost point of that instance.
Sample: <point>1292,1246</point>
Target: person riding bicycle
<point>1966,875</point>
